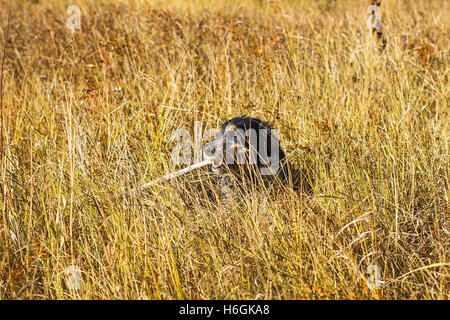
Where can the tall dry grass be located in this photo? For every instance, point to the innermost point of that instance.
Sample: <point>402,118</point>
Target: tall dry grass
<point>90,113</point>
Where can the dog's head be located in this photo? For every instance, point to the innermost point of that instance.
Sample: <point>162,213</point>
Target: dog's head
<point>245,143</point>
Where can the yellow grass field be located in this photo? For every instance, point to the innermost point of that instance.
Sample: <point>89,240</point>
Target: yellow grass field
<point>88,114</point>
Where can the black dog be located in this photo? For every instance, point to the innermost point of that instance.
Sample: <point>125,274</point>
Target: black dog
<point>250,148</point>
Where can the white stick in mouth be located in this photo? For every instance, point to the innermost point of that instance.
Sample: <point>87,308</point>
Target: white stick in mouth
<point>177,173</point>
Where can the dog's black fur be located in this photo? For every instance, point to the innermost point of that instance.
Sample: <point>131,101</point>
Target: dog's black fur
<point>284,174</point>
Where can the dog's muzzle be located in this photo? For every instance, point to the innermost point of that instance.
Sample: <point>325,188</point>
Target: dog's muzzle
<point>214,152</point>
